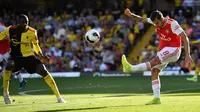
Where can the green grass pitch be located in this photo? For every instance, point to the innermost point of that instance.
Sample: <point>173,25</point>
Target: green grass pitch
<point>104,94</point>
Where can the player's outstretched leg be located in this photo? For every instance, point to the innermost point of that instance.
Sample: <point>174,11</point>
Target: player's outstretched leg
<point>127,67</point>
<point>50,81</point>
<point>41,69</point>
<point>6,81</point>
<point>22,84</point>
<point>21,80</point>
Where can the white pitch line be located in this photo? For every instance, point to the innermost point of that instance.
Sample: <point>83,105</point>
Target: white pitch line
<point>24,93</point>
<point>178,90</point>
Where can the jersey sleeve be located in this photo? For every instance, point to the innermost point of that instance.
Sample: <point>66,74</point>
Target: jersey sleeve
<point>176,28</point>
<point>35,38</point>
<point>5,33</point>
<point>35,42</point>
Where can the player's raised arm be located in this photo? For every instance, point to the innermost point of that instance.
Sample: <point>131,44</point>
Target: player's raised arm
<point>176,28</point>
<point>137,18</point>
<point>4,34</point>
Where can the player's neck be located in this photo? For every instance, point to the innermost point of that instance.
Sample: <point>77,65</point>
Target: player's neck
<point>164,22</point>
<point>26,29</point>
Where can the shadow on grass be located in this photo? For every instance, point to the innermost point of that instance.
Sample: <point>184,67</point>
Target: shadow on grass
<point>20,103</point>
<point>91,108</point>
<point>125,95</point>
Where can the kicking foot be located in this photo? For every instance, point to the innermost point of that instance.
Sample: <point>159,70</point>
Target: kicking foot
<point>154,101</point>
<point>7,99</point>
<point>126,65</point>
<point>22,84</point>
<point>193,79</point>
<point>61,100</point>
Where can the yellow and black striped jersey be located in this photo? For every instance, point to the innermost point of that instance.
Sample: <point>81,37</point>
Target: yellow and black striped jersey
<point>21,42</point>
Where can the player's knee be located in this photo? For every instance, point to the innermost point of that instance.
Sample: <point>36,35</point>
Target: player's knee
<point>9,65</point>
<point>41,69</point>
<point>155,61</point>
<point>155,72</point>
<point>158,61</point>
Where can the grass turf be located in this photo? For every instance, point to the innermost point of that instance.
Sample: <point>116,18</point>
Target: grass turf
<point>105,94</point>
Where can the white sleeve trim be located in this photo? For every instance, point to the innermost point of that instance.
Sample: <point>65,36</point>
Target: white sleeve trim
<point>176,28</point>
<point>149,21</point>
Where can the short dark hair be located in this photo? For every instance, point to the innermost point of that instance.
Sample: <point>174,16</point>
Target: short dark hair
<point>23,16</point>
<point>156,15</point>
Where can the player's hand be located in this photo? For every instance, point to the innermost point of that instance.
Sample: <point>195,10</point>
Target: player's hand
<point>44,59</point>
<point>188,59</point>
<point>127,12</point>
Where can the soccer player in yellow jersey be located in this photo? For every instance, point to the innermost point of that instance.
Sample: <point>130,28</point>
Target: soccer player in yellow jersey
<point>197,70</point>
<point>22,38</point>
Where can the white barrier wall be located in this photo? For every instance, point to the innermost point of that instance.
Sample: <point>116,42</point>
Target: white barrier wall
<point>106,74</point>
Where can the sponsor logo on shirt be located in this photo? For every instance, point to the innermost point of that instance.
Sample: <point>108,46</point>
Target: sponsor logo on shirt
<point>162,37</point>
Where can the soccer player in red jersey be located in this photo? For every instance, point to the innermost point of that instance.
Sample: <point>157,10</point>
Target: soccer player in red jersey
<point>5,54</point>
<point>170,37</point>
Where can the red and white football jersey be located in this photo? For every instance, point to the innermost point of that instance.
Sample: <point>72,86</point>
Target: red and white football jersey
<point>4,44</point>
<point>169,34</point>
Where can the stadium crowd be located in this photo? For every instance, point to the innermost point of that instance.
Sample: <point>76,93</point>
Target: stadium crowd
<point>61,34</point>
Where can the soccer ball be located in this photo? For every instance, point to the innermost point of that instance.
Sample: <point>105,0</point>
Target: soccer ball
<point>92,36</point>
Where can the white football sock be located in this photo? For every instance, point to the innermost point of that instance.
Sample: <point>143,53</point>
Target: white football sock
<point>142,67</point>
<point>156,88</point>
<point>19,76</point>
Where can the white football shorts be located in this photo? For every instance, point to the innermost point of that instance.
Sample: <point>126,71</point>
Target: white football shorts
<point>167,55</point>
<point>4,56</point>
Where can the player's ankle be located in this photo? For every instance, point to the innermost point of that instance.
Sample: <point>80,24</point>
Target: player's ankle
<point>58,96</point>
<point>5,93</point>
<point>156,97</point>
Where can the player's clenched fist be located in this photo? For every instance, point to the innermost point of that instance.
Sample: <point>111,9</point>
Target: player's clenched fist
<point>127,12</point>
